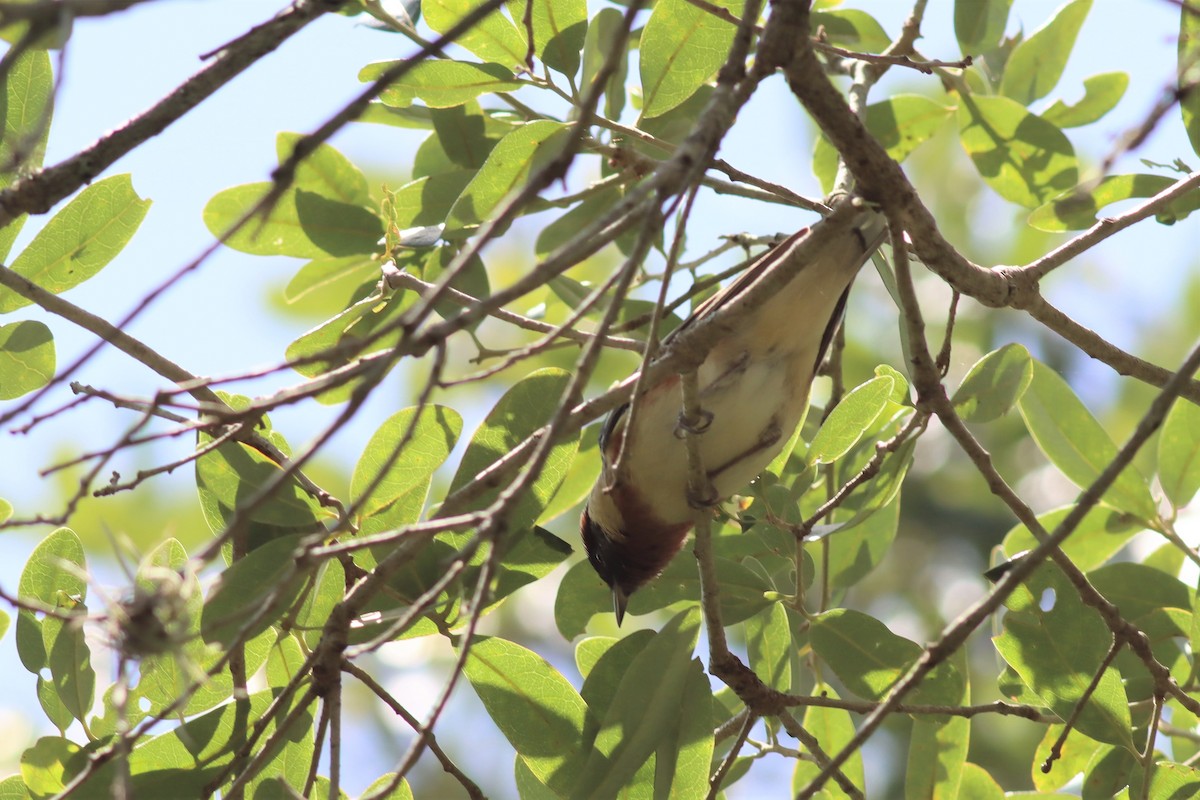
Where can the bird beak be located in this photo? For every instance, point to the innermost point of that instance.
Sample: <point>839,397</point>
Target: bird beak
<point>619,601</point>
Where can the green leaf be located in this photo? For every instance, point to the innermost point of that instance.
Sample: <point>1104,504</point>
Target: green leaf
<point>868,658</point>
<point>70,660</point>
<point>568,225</point>
<point>49,764</point>
<point>589,651</point>
<point>1077,444</point>
<point>1101,93</point>
<point>182,762</point>
<point>901,124</point>
<point>506,170</point>
<point>994,384</point>
<point>253,593</point>
<point>13,788</point>
<point>1056,644</point>
<point>326,172</point>
<point>644,708</point>
<point>303,223</point>
<point>233,473</point>
<point>858,548</point>
<point>937,749</point>
<point>532,704</point>
<point>1173,781</point>
<point>1140,589</point>
<point>406,449</point>
<point>1189,74</point>
<point>1037,64</point>
<point>323,274</point>
<point>494,38</point>
<point>54,578</point>
<point>1097,538</point>
<point>743,591</point>
<point>852,29</point>
<point>6,510</point>
<point>402,791</point>
<point>4,622</point>
<point>441,83</point>
<point>602,36</point>
<point>685,752</point>
<point>580,596</point>
<point>27,358</point>
<point>427,201</point>
<point>1179,453</point>
<point>1076,210</point>
<point>979,24</point>
<point>1074,755</point>
<point>1024,158</point>
<point>328,591</point>
<point>559,29</point>
<point>977,784</point>
<point>463,136</point>
<point>833,728</point>
<point>769,646</point>
<point>846,424</point>
<point>523,409</point>
<point>343,338</point>
<point>79,240</point>
<point>27,94</point>
<point>682,47</point>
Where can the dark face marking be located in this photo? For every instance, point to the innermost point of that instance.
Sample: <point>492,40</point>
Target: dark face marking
<point>630,562</point>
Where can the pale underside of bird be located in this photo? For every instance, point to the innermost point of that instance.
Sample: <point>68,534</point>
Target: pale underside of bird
<point>753,391</point>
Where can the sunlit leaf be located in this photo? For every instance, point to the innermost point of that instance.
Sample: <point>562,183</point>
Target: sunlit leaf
<point>769,645</point>
<point>681,48</point>
<point>532,704</point>
<point>27,94</point>
<point>80,240</point>
<point>1078,209</point>
<point>1101,93</point>
<point>643,708</point>
<point>53,577</point>
<point>1077,444</point>
<point>833,728</point>
<point>852,29</point>
<point>302,223</point>
<point>1189,74</point>
<point>1097,537</point>
<point>441,83</point>
<point>406,450</point>
<point>1035,66</point>
<point>1056,644</point>
<point>252,593</point>
<point>27,358</point>
<point>979,24</point>
<point>994,384</point>
<point>868,658</point>
<point>601,40</point>
<point>901,124</point>
<point>1179,453</point>
<point>846,424</point>
<point>1023,157</point>
<point>493,38</point>
<point>559,28</point>
<point>507,167</point>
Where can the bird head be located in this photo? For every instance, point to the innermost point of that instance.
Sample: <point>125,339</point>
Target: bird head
<point>626,556</point>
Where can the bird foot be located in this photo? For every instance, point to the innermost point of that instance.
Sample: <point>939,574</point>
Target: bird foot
<point>707,498</point>
<point>684,426</point>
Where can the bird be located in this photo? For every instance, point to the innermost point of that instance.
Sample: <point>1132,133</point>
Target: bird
<point>753,392</point>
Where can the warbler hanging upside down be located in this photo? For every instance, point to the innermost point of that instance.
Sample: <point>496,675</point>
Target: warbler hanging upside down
<point>753,390</point>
